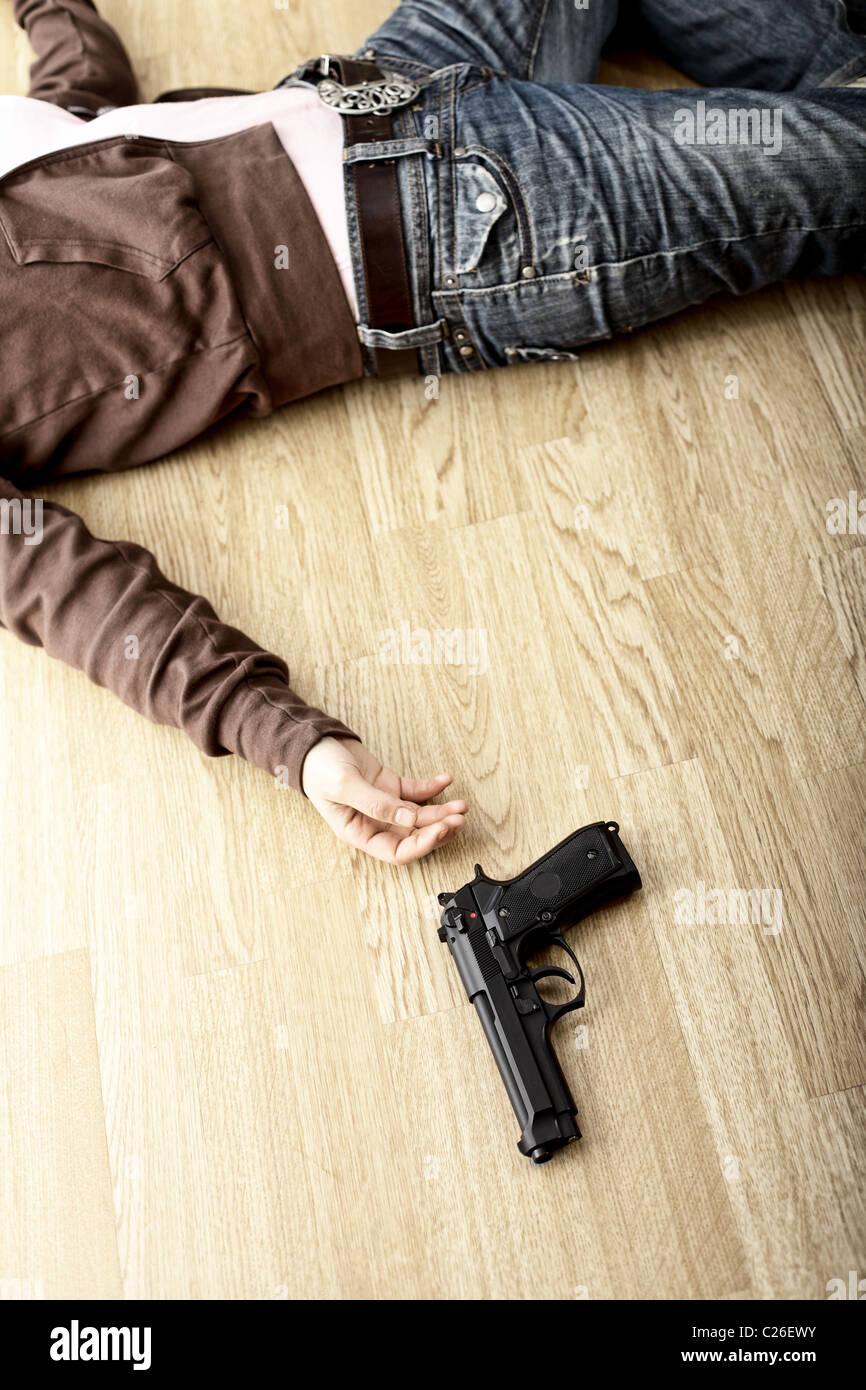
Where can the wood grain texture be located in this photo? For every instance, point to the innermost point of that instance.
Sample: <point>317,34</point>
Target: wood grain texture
<point>235,1061</point>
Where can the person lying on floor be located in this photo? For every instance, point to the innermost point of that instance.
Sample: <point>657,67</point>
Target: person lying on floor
<point>455,197</point>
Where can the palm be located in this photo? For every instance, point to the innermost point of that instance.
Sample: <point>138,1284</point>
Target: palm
<point>357,796</point>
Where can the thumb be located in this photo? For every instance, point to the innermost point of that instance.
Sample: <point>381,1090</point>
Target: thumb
<point>377,804</point>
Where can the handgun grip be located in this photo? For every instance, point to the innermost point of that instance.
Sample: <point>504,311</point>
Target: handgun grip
<point>531,1073</point>
<point>585,870</point>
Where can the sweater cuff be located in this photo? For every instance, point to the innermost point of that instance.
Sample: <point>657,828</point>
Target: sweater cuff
<point>268,725</point>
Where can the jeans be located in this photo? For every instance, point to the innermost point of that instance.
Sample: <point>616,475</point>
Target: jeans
<point>543,213</point>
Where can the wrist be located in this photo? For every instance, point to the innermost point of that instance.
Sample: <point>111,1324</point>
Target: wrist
<point>323,750</point>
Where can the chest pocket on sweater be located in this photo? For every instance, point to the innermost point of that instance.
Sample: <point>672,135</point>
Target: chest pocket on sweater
<point>120,203</point>
<point>122,335</point>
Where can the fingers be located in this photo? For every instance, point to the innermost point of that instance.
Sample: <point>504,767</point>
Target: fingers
<point>377,804</point>
<point>425,840</point>
<point>393,848</point>
<point>429,815</point>
<point>431,837</point>
<point>362,812</point>
<point>421,789</point>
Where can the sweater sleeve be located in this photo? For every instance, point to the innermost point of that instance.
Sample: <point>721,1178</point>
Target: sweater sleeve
<point>80,61</point>
<point>105,607</point>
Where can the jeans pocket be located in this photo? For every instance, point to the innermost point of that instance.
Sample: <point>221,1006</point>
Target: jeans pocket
<point>480,204</point>
<point>492,231</point>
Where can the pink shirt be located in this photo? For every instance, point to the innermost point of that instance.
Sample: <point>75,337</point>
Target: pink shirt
<point>311,134</point>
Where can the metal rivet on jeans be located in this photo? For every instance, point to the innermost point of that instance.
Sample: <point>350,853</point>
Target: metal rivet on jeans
<point>460,336</point>
<point>486,202</point>
<point>529,272</point>
<point>467,351</point>
<point>449,280</point>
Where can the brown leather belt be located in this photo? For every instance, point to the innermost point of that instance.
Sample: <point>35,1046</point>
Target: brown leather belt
<point>377,196</point>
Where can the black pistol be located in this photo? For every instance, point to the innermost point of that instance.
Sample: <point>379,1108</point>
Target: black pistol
<point>493,928</point>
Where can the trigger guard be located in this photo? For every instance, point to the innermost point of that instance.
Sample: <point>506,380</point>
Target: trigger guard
<point>557,1011</point>
<point>544,972</point>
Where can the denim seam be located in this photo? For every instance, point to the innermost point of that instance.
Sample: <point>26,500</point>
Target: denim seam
<point>420,241</point>
<point>578,277</point>
<point>436,171</point>
<point>405,126</point>
<point>716,241</point>
<point>536,42</point>
<point>485,82</point>
<point>451,133</point>
<point>359,269</point>
<point>403,62</point>
<point>564,277</point>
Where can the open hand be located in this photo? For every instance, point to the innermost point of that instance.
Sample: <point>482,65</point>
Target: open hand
<point>373,808</point>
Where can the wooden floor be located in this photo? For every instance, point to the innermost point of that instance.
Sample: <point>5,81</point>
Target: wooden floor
<point>235,1058</point>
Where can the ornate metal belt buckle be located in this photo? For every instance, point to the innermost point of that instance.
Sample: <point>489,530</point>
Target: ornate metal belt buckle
<point>381,97</point>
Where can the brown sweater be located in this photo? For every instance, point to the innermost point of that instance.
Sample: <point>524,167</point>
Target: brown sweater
<point>139,303</point>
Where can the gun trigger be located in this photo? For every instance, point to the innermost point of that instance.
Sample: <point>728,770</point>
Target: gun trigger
<point>553,1011</point>
<point>563,945</point>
